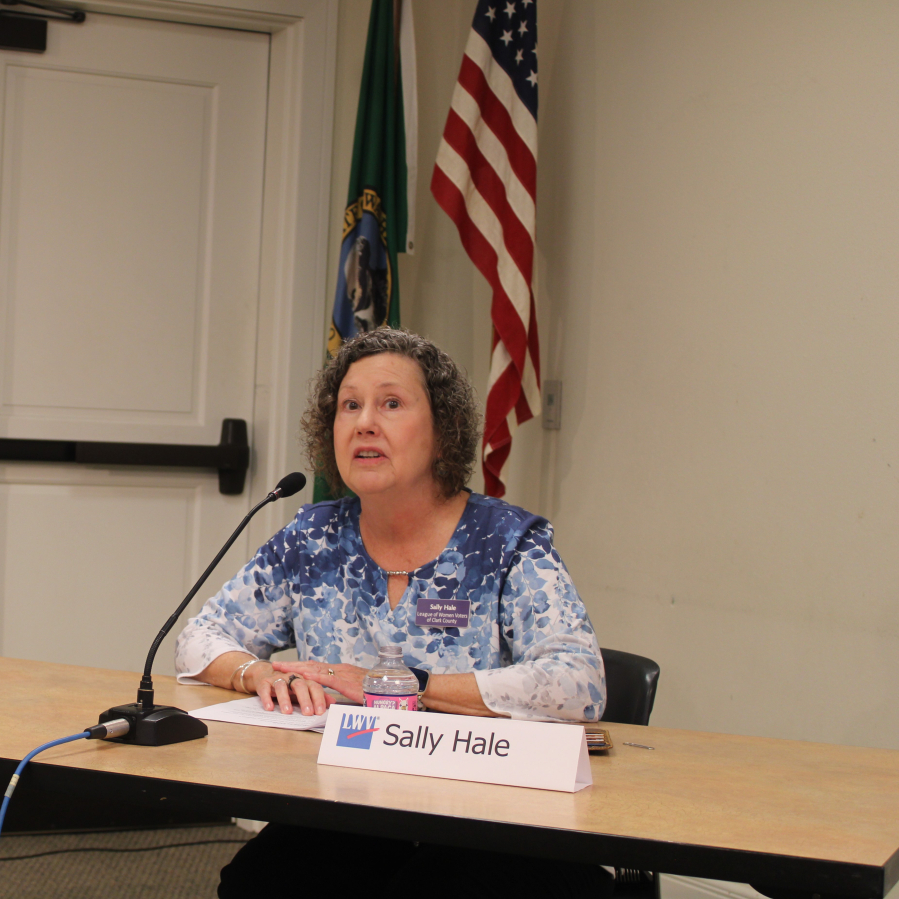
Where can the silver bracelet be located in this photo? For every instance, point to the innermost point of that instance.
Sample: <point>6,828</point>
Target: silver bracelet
<point>243,689</point>
<point>242,670</point>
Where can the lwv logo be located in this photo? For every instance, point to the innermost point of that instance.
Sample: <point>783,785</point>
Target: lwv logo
<point>356,730</point>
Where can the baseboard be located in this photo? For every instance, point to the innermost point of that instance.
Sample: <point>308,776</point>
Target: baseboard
<point>674,886</point>
<point>249,824</point>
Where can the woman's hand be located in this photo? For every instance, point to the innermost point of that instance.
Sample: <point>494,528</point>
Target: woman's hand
<point>312,676</point>
<point>273,686</point>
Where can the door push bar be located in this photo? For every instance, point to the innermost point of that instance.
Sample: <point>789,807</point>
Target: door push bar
<point>231,458</point>
<point>51,13</point>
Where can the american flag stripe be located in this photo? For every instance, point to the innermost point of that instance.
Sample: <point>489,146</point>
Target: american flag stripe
<point>530,381</point>
<point>506,379</point>
<point>499,221</point>
<point>486,181</point>
<point>481,231</point>
<point>477,217</point>
<point>495,117</point>
<point>521,198</point>
<point>502,86</point>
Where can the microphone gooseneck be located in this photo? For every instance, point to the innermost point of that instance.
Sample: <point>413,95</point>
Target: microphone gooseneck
<point>287,486</point>
<point>158,733</point>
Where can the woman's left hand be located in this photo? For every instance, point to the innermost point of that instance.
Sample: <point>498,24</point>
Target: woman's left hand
<point>345,679</point>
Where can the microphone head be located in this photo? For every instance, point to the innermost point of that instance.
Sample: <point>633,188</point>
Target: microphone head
<point>290,484</point>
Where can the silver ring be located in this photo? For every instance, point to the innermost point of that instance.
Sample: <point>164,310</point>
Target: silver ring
<point>279,680</point>
<point>331,672</point>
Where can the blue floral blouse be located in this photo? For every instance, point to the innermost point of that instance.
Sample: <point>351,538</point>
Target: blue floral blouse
<point>529,641</point>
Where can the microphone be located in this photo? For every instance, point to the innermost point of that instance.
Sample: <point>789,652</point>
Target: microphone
<point>287,486</point>
<point>158,725</point>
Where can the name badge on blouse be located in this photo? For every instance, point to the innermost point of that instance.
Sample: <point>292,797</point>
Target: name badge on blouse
<point>442,612</point>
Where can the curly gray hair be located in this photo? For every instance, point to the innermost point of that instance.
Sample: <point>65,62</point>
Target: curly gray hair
<point>454,408</point>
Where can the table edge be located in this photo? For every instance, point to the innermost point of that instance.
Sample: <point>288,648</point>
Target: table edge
<point>853,881</point>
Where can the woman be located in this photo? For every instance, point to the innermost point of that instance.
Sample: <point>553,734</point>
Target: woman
<point>394,420</point>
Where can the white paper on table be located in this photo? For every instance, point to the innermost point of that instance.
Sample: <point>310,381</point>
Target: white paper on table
<point>250,711</point>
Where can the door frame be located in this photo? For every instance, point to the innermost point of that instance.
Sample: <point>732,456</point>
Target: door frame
<point>295,215</point>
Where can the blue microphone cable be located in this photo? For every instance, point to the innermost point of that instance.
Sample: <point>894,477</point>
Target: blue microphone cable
<point>117,728</point>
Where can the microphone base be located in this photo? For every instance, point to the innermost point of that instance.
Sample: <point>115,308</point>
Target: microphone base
<point>158,726</point>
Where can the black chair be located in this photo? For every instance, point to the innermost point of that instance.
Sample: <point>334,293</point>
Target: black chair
<point>631,683</point>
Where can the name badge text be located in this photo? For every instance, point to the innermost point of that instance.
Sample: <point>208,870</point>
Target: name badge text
<point>442,612</point>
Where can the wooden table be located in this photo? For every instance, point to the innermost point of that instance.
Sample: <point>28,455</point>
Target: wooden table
<point>804,815</point>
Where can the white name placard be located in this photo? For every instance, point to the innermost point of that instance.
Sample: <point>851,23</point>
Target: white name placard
<point>460,747</point>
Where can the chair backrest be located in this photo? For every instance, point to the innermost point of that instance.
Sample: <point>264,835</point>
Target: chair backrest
<point>631,683</point>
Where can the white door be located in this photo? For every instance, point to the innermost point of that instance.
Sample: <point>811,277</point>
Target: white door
<point>130,217</point>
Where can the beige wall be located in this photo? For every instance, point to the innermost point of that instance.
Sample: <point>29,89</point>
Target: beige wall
<point>718,271</point>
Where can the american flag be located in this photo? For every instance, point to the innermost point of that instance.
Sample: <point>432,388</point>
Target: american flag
<point>486,181</point>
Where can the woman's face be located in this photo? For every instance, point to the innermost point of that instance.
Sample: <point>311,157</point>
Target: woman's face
<point>383,429</point>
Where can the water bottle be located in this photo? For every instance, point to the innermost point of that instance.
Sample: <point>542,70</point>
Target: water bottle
<point>390,684</point>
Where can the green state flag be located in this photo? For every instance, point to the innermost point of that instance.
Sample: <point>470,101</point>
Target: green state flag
<point>378,220</point>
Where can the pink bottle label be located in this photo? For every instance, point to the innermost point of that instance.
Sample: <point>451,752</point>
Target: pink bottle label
<point>406,703</point>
